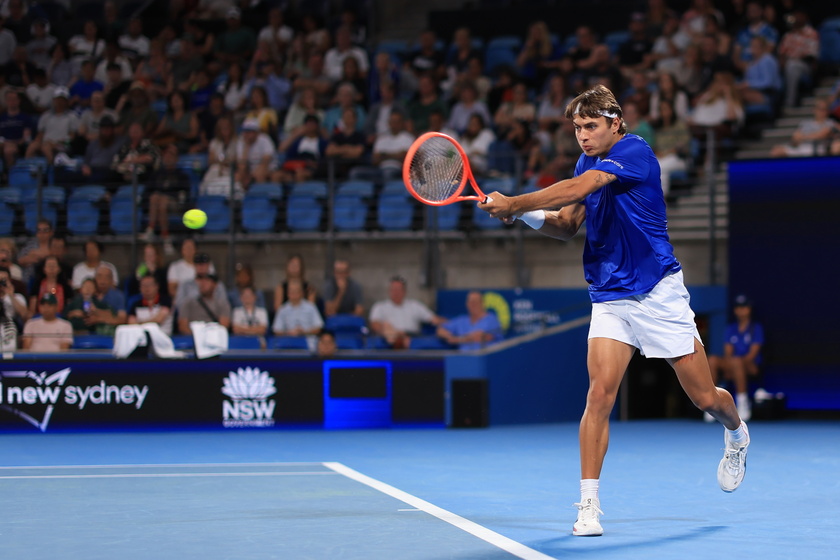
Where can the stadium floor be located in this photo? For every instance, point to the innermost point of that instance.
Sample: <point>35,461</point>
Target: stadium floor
<point>504,492</point>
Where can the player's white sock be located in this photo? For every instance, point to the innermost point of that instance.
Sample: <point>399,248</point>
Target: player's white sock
<point>738,435</point>
<point>589,489</point>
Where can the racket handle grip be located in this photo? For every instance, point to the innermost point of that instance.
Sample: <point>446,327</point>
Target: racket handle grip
<point>486,200</point>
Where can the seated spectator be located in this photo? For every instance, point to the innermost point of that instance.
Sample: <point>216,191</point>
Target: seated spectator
<point>347,144</point>
<point>47,333</point>
<point>135,107</point>
<point>221,157</point>
<point>552,107</point>
<point>40,92</point>
<point>342,294</point>
<point>351,74</point>
<point>398,318</point>
<point>312,76</point>
<point>152,307</point>
<point>113,59</point>
<point>91,118</point>
<point>424,104</point>
<point>19,70</point>
<point>7,260</point>
<point>87,45</point>
<point>56,128</point>
<point>179,125</point>
<point>133,43</point>
<point>437,123</point>
<point>305,104</point>
<point>151,264</point>
<point>84,86</point>
<point>35,250</point>
<point>719,107</point>
<point>208,118</point>
<point>155,72</point>
<point>638,92</point>
<point>275,93</point>
<point>326,347</point>
<point>467,106</point>
<point>254,155</point>
<point>474,330</point>
<point>798,54</point>
<point>16,129</point>
<point>636,123</point>
<point>107,292</point>
<point>743,342</point>
<point>762,83</point>
<point>295,270</point>
<point>190,288</point>
<point>377,118</point>
<point>811,137</point>
<point>305,156</point>
<point>100,154</point>
<point>182,269</point>
<point>244,278</point>
<point>237,42</point>
<point>60,71</point>
<point>634,55</point>
<point>233,89</point>
<point>517,109</point>
<point>298,316</point>
<point>459,54</point>
<point>249,318</point>
<point>276,35</point>
<point>343,49</point>
<point>12,303</point>
<point>52,280</point>
<point>168,187</point>
<point>93,260</point>
<point>672,143</point>
<point>78,310</point>
<point>345,98</point>
<point>756,26</point>
<point>476,141</point>
<point>137,155</point>
<point>384,70</point>
<point>670,45</point>
<point>667,89</point>
<point>537,56</point>
<point>38,46</point>
<point>205,306</point>
<point>390,148</point>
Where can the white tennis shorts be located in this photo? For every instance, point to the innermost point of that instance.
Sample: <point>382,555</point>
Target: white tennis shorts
<point>660,323</point>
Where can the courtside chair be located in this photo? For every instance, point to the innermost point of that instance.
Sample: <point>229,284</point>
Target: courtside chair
<point>288,343</point>
<point>244,342</point>
<point>303,213</point>
<point>93,342</point>
<point>346,323</point>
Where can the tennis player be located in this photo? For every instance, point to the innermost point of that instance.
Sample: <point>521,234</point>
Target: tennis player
<point>635,284</point>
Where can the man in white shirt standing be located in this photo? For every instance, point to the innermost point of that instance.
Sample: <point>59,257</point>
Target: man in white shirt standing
<point>398,318</point>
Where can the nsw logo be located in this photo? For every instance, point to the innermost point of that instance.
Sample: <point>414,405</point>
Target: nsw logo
<point>37,392</point>
<point>249,390</point>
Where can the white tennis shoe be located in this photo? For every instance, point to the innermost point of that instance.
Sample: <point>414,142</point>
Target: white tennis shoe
<point>588,524</point>
<point>733,466</point>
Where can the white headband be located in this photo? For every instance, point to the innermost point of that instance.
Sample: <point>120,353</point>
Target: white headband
<point>601,113</point>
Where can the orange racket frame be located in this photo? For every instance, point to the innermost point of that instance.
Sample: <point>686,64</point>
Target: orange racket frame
<point>456,195</point>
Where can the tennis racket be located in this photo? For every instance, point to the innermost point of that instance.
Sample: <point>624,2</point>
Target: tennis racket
<point>436,171</point>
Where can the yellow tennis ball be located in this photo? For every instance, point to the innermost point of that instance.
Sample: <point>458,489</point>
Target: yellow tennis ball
<point>195,218</point>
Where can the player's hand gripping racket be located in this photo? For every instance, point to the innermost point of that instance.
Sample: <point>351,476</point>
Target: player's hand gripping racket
<point>436,170</point>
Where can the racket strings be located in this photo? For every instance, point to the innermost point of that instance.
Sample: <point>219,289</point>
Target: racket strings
<point>436,170</point>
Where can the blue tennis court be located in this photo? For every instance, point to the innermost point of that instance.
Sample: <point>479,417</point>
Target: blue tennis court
<point>503,492</point>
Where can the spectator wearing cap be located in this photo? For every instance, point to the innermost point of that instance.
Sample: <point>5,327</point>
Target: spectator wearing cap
<point>47,333</point>
<point>398,318</point>
<point>56,128</point>
<point>190,289</point>
<point>298,316</point>
<point>88,267</point>
<point>16,129</point>
<point>742,347</point>
<point>254,154</point>
<point>237,42</point>
<point>206,304</point>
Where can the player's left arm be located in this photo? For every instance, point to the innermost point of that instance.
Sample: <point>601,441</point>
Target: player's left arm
<point>560,194</point>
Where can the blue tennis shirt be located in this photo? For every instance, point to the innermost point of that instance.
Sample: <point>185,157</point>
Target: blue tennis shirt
<point>627,248</point>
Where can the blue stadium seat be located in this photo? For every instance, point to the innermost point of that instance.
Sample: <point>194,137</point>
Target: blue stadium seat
<point>317,189</point>
<point>272,191</point>
<point>394,187</point>
<point>93,342</point>
<point>428,342</point>
<point>376,342</point>
<point>218,213</point>
<point>501,157</point>
<point>8,215</point>
<point>345,323</point>
<point>350,213</point>
<point>366,173</point>
<point>830,41</point>
<point>121,220</point>
<point>615,39</point>
<point>395,212</point>
<point>11,195</point>
<point>124,191</point>
<point>303,213</point>
<point>356,187</point>
<point>82,217</point>
<point>482,220</point>
<point>448,217</point>
<point>288,343</point>
<point>23,176</point>
<point>397,48</point>
<point>52,198</point>
<point>495,57</point>
<point>505,185</point>
<point>259,213</point>
<point>346,341</point>
<point>183,342</point>
<point>513,42</point>
<point>243,342</point>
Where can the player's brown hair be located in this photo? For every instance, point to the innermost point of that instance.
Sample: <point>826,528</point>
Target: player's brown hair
<point>594,103</point>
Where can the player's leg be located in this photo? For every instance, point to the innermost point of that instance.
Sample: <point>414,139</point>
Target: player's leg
<point>693,374</point>
<point>607,361</point>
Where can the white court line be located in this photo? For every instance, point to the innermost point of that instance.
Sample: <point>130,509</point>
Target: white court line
<point>161,465</point>
<point>509,545</point>
<point>162,475</point>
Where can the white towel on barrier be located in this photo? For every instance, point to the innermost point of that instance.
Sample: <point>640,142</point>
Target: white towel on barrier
<point>211,339</point>
<point>127,338</point>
